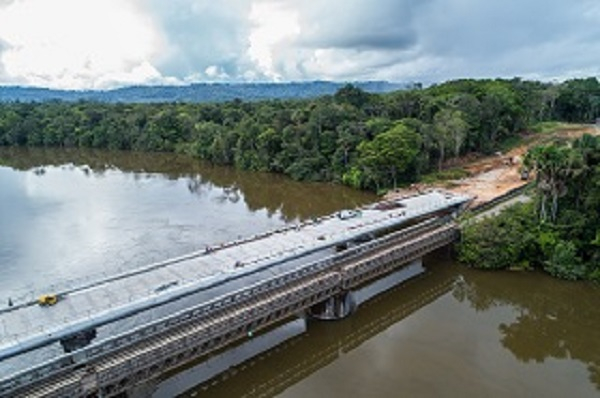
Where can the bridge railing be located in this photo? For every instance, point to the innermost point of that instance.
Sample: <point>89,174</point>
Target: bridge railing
<point>231,322</point>
<point>393,237</point>
<point>226,324</point>
<point>368,268</point>
<point>202,311</point>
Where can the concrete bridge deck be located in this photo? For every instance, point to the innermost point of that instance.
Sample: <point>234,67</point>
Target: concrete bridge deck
<point>286,267</point>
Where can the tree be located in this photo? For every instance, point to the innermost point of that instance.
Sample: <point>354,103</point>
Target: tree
<point>450,129</point>
<point>553,166</point>
<point>388,155</point>
<point>564,263</point>
<point>352,95</point>
<point>564,238</point>
<point>500,242</point>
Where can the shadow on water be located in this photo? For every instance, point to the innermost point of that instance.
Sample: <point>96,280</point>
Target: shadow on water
<point>555,319</point>
<point>275,193</point>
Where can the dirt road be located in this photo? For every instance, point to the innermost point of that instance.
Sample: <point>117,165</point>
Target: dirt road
<point>492,176</point>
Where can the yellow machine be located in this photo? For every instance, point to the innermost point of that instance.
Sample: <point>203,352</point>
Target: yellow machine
<point>47,299</point>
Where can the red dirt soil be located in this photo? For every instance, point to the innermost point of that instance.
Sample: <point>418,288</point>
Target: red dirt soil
<point>492,176</point>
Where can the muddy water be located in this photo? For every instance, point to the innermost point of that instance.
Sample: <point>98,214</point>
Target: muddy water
<point>450,332</point>
<point>70,215</point>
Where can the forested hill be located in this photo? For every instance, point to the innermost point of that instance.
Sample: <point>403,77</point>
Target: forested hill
<point>205,92</point>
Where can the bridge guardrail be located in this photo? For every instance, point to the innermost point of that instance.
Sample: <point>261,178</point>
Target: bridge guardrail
<point>153,358</point>
<point>205,333</point>
<point>45,337</point>
<point>348,254</point>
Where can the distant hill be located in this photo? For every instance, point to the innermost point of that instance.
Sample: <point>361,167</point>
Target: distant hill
<point>203,92</point>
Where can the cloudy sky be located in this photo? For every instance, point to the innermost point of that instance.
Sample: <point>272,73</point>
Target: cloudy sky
<point>109,43</point>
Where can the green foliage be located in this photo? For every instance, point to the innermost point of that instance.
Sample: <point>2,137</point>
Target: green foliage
<point>510,142</point>
<point>562,240</point>
<point>354,178</point>
<point>579,100</point>
<point>388,155</point>
<point>554,166</point>
<point>548,127</point>
<point>499,242</point>
<point>563,262</point>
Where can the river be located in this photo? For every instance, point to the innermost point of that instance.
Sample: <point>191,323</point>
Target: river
<point>70,215</point>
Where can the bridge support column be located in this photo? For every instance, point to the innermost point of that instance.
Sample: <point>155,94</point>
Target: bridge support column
<point>334,308</point>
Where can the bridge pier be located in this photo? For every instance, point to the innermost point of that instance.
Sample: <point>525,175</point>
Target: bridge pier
<point>334,308</point>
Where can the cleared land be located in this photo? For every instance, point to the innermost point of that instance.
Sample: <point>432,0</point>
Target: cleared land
<point>491,176</point>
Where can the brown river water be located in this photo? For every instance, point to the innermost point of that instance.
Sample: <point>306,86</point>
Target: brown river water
<point>67,216</point>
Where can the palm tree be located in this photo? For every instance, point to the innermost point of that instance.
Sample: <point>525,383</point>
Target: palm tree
<point>554,167</point>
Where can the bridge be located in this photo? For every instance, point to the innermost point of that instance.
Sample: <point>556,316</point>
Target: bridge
<point>105,337</point>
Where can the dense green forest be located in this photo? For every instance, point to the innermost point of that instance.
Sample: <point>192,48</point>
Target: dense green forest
<point>559,231</point>
<point>369,141</point>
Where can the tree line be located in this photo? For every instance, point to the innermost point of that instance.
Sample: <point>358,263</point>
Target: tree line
<point>368,141</point>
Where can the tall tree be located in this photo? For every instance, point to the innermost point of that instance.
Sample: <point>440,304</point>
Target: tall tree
<point>450,130</point>
<point>389,154</point>
<point>553,165</point>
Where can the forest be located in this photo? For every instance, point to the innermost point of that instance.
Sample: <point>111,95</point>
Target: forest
<point>368,141</point>
<point>559,231</point>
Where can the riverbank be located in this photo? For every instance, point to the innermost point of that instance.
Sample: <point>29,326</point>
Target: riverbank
<point>558,232</point>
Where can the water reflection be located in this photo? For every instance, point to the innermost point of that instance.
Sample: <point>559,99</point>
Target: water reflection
<point>72,215</point>
<point>274,193</point>
<point>489,334</point>
<point>553,319</point>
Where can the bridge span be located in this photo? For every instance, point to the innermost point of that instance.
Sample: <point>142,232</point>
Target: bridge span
<point>132,327</point>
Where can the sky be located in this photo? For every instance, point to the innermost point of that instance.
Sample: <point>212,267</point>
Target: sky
<point>99,44</point>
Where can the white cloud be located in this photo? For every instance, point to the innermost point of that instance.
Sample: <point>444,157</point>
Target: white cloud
<point>215,72</point>
<point>78,43</point>
<point>274,27</point>
<point>105,43</point>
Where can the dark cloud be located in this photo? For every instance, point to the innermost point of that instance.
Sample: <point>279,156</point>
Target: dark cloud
<point>365,40</point>
<point>505,38</point>
<point>486,28</point>
<point>399,40</point>
<point>201,34</point>
<point>439,39</point>
<point>359,24</point>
